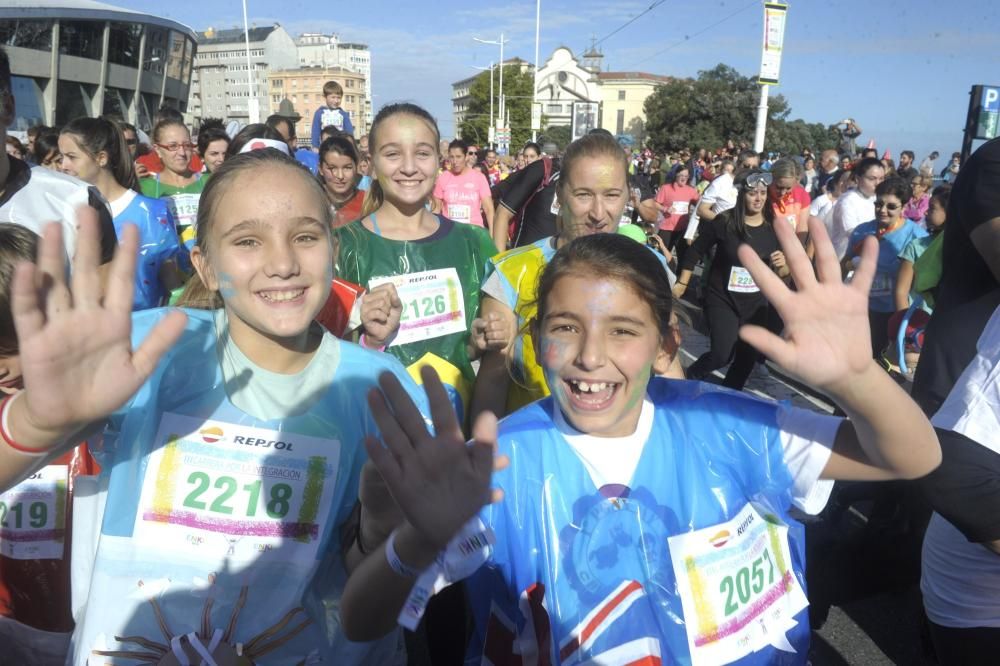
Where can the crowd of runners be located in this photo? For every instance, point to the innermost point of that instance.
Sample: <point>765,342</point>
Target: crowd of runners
<point>394,398</point>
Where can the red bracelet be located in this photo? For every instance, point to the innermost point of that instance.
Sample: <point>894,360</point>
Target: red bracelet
<point>5,432</point>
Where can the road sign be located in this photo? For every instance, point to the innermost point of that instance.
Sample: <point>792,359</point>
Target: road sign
<point>988,121</point>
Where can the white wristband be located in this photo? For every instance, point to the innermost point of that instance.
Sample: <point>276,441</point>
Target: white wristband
<point>395,563</point>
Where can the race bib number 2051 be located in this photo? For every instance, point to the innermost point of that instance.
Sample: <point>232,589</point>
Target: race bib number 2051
<point>220,491</point>
<point>737,587</point>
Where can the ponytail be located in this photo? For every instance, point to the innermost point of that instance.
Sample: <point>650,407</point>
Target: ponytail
<point>374,198</point>
<point>97,135</point>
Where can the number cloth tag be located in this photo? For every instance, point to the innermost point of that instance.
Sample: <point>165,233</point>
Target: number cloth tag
<point>460,212</point>
<point>184,208</point>
<point>33,516</point>
<point>737,587</point>
<point>679,207</point>
<point>433,305</point>
<point>741,282</point>
<point>226,492</point>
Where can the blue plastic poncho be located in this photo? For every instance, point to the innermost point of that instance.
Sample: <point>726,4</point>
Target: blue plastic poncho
<point>695,561</point>
<point>221,531</point>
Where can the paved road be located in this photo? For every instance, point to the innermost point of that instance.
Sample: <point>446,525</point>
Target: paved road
<point>869,630</point>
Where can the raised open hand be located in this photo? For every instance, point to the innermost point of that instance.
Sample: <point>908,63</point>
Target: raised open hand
<point>826,339</point>
<point>75,348</point>
<point>381,310</point>
<point>438,481</point>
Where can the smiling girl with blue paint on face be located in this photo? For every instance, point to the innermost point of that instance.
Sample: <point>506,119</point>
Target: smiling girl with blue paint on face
<point>203,543</point>
<point>646,518</point>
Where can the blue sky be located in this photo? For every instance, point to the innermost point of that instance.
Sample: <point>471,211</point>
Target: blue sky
<point>902,69</point>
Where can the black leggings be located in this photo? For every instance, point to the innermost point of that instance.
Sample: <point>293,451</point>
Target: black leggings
<point>727,348</point>
<point>965,647</point>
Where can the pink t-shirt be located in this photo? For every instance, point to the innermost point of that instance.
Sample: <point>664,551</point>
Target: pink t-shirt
<point>678,202</point>
<point>463,195</point>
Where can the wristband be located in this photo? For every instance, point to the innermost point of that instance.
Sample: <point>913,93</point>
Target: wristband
<point>683,284</point>
<point>364,343</point>
<point>5,430</point>
<point>395,563</point>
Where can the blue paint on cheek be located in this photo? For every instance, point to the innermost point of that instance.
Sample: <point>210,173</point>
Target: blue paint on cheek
<point>226,288</point>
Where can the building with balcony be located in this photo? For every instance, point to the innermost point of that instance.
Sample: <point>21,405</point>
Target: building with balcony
<point>303,86</point>
<point>72,58</point>
<point>229,84</point>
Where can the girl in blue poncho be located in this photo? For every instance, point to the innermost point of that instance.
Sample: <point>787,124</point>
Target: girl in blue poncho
<point>642,520</point>
<point>221,528</point>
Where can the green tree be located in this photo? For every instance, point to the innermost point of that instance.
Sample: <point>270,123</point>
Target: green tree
<point>517,87</point>
<point>557,134</point>
<point>719,105</point>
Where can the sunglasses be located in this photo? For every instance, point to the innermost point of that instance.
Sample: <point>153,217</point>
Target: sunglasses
<point>888,206</point>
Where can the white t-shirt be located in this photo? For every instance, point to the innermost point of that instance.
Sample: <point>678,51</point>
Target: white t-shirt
<point>720,193</point>
<point>806,437</point>
<point>960,580</point>
<point>852,208</point>
<point>822,207</point>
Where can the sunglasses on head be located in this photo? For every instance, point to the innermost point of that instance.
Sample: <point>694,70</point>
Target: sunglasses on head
<point>755,180</point>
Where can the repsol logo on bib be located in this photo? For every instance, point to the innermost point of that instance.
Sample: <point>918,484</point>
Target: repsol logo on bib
<point>262,443</point>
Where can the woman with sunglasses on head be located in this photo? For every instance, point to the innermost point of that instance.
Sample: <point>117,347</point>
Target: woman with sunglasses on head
<point>732,298</point>
<point>894,232</point>
<point>178,183</point>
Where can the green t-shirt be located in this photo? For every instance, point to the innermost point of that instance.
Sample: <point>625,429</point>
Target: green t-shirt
<point>437,279</point>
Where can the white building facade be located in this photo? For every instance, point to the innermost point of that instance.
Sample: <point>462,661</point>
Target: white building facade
<point>221,85</point>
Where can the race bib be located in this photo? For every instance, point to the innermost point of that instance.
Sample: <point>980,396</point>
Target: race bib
<point>737,587</point>
<point>33,516</point>
<point>679,207</point>
<point>228,493</point>
<point>433,304</point>
<point>184,208</point>
<point>332,117</point>
<point>741,282</point>
<point>460,212</point>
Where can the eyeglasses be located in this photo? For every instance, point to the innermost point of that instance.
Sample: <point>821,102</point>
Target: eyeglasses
<point>759,178</point>
<point>888,206</point>
<point>174,147</point>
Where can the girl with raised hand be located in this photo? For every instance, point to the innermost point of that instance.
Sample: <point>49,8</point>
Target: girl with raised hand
<point>435,264</point>
<point>94,150</point>
<point>231,438</point>
<point>646,518</point>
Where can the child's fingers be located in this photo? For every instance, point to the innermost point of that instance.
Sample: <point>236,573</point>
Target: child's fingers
<point>827,264</point>
<point>385,462</point>
<point>393,436</point>
<point>405,412</point>
<point>442,411</point>
<point>85,278</point>
<point>51,274</point>
<point>768,344</point>
<point>121,285</point>
<point>770,285</point>
<point>163,336</point>
<point>864,274</point>
<point>24,306</point>
<point>796,259</point>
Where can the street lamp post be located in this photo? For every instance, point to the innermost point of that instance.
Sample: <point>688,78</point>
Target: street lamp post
<point>500,104</point>
<point>534,82</point>
<point>253,106</point>
<point>492,126</point>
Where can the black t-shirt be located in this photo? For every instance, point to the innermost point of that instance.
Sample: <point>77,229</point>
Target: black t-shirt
<point>33,197</point>
<point>968,291</point>
<point>723,235</point>
<point>907,174</point>
<point>975,200</point>
<point>534,216</point>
